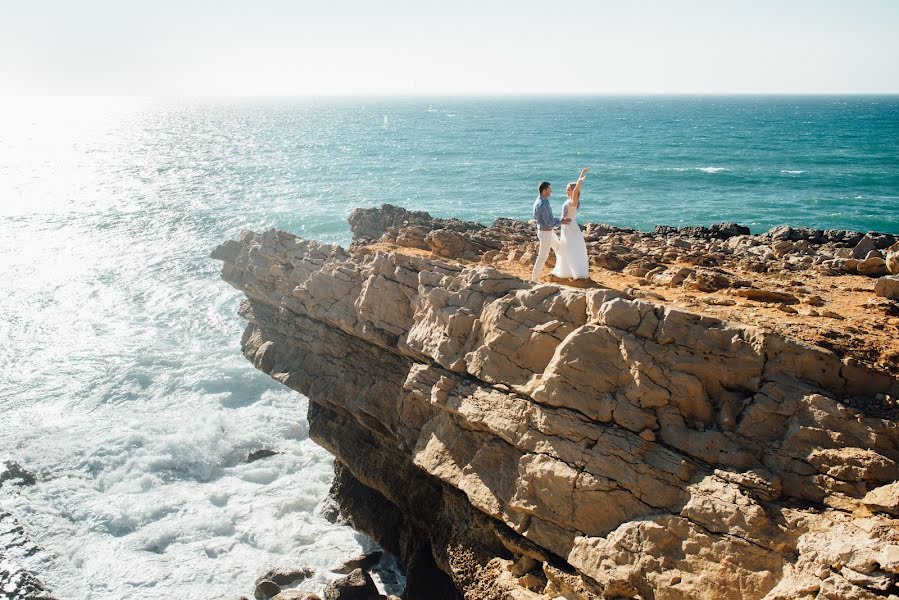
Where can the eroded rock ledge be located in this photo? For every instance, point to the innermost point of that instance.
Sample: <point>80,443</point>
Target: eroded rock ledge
<point>507,440</point>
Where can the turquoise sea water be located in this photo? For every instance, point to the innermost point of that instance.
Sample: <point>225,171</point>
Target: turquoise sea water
<point>121,381</point>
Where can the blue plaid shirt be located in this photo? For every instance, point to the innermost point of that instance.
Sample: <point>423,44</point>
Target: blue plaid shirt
<point>543,214</point>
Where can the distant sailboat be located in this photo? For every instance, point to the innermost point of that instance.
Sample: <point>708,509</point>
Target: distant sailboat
<point>386,122</point>
<point>431,108</point>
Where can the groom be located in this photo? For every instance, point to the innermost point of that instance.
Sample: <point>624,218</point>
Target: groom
<point>546,223</point>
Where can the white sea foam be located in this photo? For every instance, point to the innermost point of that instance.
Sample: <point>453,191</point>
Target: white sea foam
<point>123,387</point>
<point>792,171</point>
<point>137,507</point>
<point>712,169</point>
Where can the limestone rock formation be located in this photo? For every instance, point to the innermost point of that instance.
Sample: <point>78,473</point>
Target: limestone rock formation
<point>357,585</point>
<point>509,440</point>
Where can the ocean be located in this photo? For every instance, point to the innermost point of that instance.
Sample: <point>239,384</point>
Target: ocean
<point>122,386</point>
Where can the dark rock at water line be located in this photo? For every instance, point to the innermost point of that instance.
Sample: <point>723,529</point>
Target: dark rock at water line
<point>358,585</point>
<point>260,454</point>
<point>371,223</point>
<point>329,510</point>
<point>863,247</point>
<point>15,474</point>
<point>718,231</point>
<point>286,575</point>
<point>363,561</point>
<point>16,583</point>
<point>266,588</point>
<point>860,242</point>
<point>794,234</point>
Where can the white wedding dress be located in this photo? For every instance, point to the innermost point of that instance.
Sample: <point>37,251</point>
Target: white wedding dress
<point>571,257</point>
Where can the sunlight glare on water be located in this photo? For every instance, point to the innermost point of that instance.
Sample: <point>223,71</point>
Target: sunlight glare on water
<point>122,385</point>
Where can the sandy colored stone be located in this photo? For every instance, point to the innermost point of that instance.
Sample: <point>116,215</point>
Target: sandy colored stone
<point>888,287</point>
<point>767,296</point>
<point>884,499</point>
<point>874,266</point>
<point>658,451</point>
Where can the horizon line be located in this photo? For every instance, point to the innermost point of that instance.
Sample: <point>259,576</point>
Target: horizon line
<point>447,94</point>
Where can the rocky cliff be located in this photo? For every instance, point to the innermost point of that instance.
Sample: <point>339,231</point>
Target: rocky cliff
<point>510,440</point>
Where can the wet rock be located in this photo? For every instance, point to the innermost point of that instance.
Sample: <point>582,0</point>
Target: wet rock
<point>17,583</point>
<point>723,231</point>
<point>328,509</point>
<point>260,454</point>
<point>286,575</point>
<point>845,238</point>
<point>14,474</point>
<point>266,588</point>
<point>888,287</point>
<point>363,561</point>
<point>358,585</point>
<point>783,232</point>
<point>719,231</point>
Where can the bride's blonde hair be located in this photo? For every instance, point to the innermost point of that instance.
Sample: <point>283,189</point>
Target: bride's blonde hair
<point>570,186</point>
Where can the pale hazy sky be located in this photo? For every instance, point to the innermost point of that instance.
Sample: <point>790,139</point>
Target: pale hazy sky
<point>272,47</point>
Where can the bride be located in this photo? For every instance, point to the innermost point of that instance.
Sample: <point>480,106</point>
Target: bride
<point>571,257</point>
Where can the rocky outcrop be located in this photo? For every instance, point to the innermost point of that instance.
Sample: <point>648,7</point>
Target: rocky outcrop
<point>509,440</point>
<point>16,582</point>
<point>719,231</point>
<point>372,223</point>
<point>781,248</point>
<point>715,266</point>
<point>357,585</point>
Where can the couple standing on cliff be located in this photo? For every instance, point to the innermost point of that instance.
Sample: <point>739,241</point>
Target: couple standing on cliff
<point>570,248</point>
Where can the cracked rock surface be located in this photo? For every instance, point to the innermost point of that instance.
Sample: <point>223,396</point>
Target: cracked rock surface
<point>510,440</point>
